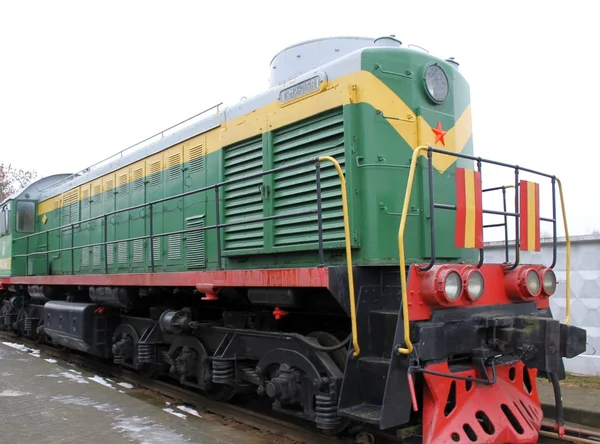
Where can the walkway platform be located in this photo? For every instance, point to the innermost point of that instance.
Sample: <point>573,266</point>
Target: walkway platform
<point>43,401</point>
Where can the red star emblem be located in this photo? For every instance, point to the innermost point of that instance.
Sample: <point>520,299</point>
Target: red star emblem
<point>439,133</point>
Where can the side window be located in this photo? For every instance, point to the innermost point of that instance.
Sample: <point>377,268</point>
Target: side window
<point>25,217</point>
<point>4,221</point>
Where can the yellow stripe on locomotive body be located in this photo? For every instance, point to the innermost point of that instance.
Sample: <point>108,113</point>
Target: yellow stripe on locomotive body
<point>359,86</point>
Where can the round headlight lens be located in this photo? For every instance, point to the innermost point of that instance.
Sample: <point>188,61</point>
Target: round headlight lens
<point>436,83</point>
<point>549,282</point>
<point>475,285</point>
<point>533,283</point>
<point>453,286</point>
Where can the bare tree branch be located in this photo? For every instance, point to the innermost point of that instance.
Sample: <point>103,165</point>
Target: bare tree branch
<point>13,179</point>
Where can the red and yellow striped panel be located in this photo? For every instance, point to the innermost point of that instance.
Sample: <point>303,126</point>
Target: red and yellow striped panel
<point>469,211</point>
<point>529,196</point>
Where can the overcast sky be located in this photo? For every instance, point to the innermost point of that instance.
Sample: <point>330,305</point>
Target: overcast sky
<point>79,83</point>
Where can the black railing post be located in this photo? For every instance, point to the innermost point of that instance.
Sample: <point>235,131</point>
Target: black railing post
<point>151,238</point>
<point>481,253</point>
<point>319,213</point>
<point>517,217</point>
<point>105,244</point>
<point>554,235</point>
<point>431,209</point>
<point>72,248</point>
<point>218,223</point>
<point>48,252</point>
<point>506,252</point>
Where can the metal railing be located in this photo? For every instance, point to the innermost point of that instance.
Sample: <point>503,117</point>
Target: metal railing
<point>136,145</point>
<point>217,226</point>
<point>516,214</point>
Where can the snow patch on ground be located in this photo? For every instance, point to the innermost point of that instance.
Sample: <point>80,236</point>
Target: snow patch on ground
<point>12,393</point>
<point>17,346</point>
<point>189,410</point>
<point>148,432</point>
<point>173,412</point>
<point>86,402</point>
<point>51,361</point>
<point>101,381</point>
<point>74,371</point>
<point>77,378</point>
<point>6,374</point>
<point>126,385</point>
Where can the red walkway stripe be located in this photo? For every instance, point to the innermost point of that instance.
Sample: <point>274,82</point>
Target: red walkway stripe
<point>291,277</point>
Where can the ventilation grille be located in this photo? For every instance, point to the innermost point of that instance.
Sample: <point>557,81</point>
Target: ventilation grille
<point>85,198</point>
<point>109,192</point>
<point>295,190</point>
<point>122,252</point>
<point>175,171</point>
<point>194,244</point>
<point>138,179</point>
<point>155,173</point>
<point>97,196</point>
<point>155,250</point>
<point>96,255</point>
<point>174,242</point>
<point>85,257</point>
<point>123,182</point>
<point>196,158</point>
<point>243,200</point>
<point>138,250</point>
<point>70,208</point>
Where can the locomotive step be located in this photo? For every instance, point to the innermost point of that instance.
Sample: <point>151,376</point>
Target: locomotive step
<point>363,412</point>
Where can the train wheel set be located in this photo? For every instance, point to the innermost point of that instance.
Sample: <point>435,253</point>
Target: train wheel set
<point>320,244</point>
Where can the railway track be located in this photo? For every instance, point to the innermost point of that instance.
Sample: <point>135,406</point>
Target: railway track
<point>247,417</point>
<point>572,434</point>
<point>250,418</point>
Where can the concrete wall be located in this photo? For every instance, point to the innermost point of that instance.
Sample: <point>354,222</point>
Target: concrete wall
<point>585,290</point>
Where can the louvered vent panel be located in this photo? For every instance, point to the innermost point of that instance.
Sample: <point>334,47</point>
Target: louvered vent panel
<point>195,255</point>
<point>175,171</point>
<point>138,250</point>
<point>155,173</point>
<point>243,200</point>
<point>96,255</point>
<point>138,179</point>
<point>155,249</point>
<point>122,252</point>
<point>97,197</point>
<point>109,191</point>
<point>174,241</point>
<point>70,207</point>
<point>295,190</point>
<point>85,257</point>
<point>123,182</point>
<point>110,253</point>
<point>196,158</point>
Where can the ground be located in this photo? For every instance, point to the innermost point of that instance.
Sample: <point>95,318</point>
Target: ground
<point>42,400</point>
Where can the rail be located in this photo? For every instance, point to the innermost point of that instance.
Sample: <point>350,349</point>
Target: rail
<point>516,214</point>
<point>217,226</point>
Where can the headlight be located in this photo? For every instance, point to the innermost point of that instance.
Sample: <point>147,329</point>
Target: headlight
<point>533,282</point>
<point>474,285</point>
<point>453,286</point>
<point>436,83</point>
<point>549,282</point>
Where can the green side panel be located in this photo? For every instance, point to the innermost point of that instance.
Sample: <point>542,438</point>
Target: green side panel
<point>295,190</point>
<point>243,200</point>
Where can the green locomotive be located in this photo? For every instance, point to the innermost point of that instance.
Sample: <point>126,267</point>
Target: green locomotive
<point>256,250</point>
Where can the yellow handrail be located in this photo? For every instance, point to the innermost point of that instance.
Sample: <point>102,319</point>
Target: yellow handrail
<point>568,246</point>
<point>411,176</point>
<point>348,253</point>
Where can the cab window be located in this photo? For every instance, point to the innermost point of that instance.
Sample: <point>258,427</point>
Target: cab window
<point>25,217</point>
<point>4,221</point>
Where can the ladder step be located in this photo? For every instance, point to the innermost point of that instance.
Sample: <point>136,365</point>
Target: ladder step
<point>370,413</point>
